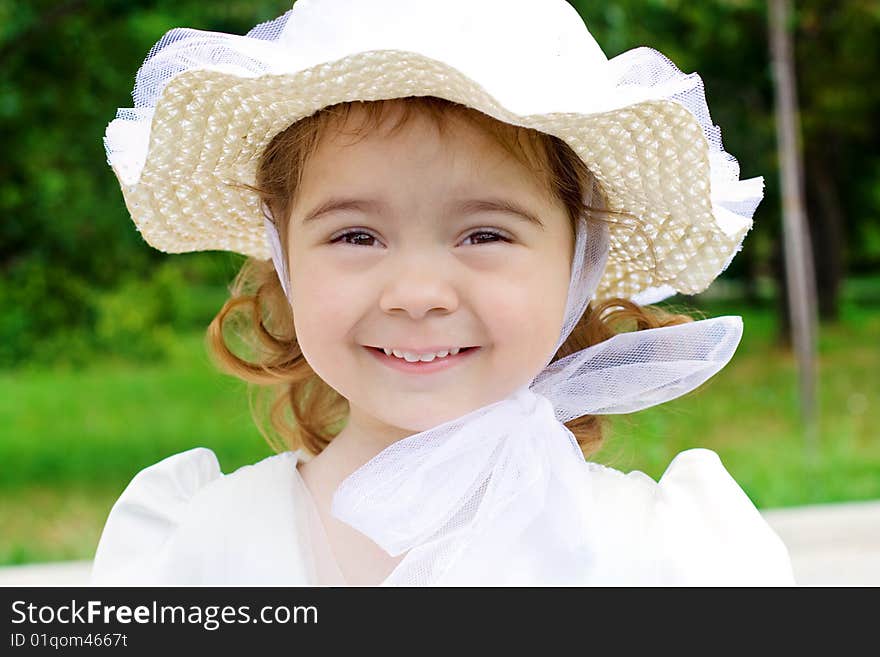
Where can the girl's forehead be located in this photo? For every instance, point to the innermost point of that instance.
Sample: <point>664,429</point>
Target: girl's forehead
<point>474,144</point>
<point>419,162</point>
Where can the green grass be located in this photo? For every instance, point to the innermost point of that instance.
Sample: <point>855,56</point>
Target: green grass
<point>71,440</point>
<point>99,423</point>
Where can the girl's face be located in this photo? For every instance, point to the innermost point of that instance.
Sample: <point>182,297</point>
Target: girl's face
<point>401,241</point>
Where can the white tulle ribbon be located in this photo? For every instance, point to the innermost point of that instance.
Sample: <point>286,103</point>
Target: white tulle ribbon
<point>502,495</point>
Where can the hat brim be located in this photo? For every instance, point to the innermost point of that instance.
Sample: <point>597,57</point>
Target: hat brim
<point>210,128</point>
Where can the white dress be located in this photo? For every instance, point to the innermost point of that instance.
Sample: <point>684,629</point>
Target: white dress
<point>183,522</point>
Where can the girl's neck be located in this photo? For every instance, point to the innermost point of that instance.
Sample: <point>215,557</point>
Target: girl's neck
<point>349,450</point>
<point>353,555</point>
<point>362,438</point>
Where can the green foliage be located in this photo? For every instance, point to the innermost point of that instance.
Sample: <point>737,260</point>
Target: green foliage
<point>70,257</point>
<point>135,316</point>
<point>52,319</point>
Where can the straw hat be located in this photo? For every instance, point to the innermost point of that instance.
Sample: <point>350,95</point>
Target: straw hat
<point>206,104</point>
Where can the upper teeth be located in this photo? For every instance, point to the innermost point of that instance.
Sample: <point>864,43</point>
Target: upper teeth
<point>412,357</point>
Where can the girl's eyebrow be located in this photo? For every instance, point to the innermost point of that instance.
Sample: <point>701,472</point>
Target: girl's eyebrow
<point>333,204</point>
<point>467,206</point>
<point>470,206</point>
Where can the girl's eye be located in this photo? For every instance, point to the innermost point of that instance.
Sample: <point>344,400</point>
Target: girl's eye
<point>356,233</point>
<point>487,233</point>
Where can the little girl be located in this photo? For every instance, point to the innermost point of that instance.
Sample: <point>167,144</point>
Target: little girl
<point>448,218</point>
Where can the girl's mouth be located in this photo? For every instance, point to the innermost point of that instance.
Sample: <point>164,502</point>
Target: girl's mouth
<point>421,367</point>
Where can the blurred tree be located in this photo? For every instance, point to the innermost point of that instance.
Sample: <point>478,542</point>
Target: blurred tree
<point>801,288</point>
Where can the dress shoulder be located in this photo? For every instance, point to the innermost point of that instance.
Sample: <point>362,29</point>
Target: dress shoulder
<point>181,521</point>
<point>707,531</point>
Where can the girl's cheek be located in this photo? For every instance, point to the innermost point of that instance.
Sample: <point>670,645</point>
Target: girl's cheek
<point>313,280</point>
<point>325,315</point>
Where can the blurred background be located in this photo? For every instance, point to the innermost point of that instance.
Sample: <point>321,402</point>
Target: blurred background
<point>102,365</point>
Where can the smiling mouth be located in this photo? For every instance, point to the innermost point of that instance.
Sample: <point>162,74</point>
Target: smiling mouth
<point>437,364</point>
<point>382,351</point>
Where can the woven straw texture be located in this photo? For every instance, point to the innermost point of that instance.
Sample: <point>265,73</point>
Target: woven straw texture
<point>659,159</point>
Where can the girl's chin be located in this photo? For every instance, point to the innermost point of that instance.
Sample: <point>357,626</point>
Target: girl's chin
<point>424,417</point>
<point>412,425</point>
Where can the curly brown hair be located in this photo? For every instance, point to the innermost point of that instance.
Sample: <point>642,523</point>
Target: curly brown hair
<point>302,410</point>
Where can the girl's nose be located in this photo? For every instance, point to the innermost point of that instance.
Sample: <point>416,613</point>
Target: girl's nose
<point>418,289</point>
